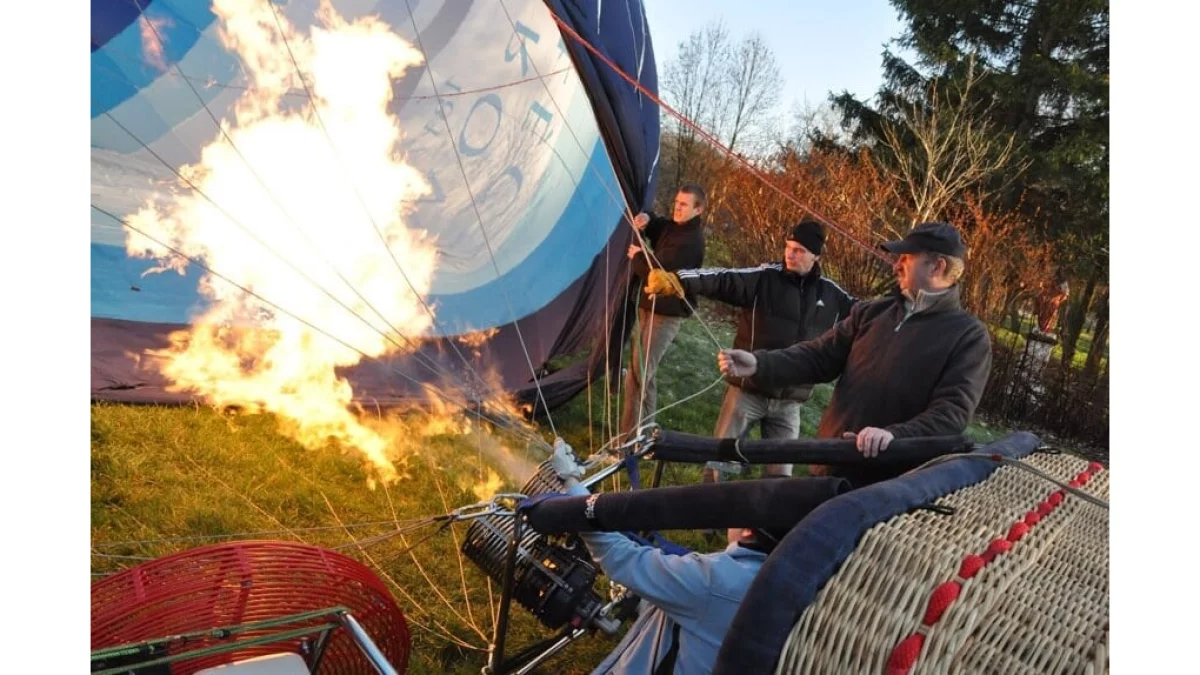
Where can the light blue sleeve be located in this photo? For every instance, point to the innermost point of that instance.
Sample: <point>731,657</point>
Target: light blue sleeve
<point>679,584</point>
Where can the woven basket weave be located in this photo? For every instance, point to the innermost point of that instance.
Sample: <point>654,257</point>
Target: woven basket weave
<point>1039,607</point>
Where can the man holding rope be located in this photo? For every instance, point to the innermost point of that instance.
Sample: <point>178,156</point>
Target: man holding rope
<point>783,303</point>
<point>910,364</point>
<point>677,242</point>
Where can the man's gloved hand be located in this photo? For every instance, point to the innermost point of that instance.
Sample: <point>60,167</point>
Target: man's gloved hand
<point>662,282</point>
<point>564,462</point>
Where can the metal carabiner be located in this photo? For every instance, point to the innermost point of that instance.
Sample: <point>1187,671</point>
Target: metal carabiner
<point>504,503</point>
<point>471,511</point>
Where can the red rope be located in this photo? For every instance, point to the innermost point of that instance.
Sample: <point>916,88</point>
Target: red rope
<point>711,139</point>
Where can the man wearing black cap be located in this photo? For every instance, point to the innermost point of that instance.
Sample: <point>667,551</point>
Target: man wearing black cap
<point>911,364</point>
<point>784,303</point>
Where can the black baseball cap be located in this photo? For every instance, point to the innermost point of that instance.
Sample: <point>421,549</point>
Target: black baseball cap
<point>929,238</point>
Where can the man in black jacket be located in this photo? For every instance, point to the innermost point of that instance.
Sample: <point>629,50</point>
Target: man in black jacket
<point>911,364</point>
<point>677,243</point>
<point>784,303</point>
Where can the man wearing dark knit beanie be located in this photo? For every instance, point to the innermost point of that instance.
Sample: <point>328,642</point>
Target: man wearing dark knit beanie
<point>810,235</point>
<point>783,303</point>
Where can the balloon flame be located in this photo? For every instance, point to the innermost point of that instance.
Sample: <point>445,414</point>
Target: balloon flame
<point>304,204</point>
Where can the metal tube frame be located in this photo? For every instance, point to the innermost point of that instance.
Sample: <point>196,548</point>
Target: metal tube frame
<point>496,653</point>
<point>523,664</point>
<point>366,644</point>
<point>342,618</point>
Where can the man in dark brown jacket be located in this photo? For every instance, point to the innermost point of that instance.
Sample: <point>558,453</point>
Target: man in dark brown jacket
<point>911,364</point>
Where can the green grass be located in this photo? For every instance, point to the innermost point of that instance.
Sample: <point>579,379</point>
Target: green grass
<point>167,472</point>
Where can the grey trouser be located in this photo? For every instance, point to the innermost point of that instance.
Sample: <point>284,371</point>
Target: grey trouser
<point>654,334</point>
<point>741,409</point>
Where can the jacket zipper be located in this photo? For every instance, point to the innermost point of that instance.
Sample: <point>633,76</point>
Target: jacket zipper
<point>800,332</point>
<point>753,319</point>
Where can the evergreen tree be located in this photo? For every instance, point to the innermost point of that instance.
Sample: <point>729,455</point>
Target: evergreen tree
<point>1046,74</point>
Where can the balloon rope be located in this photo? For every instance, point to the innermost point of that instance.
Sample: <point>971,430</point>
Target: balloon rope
<point>479,217</point>
<point>570,32</point>
<point>433,365</point>
<point>409,524</point>
<point>651,259</point>
<point>333,147</point>
<point>518,428</point>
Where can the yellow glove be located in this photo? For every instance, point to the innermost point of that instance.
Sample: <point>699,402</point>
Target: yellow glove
<point>662,282</point>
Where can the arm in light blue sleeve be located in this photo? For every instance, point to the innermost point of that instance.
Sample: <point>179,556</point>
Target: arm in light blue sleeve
<point>679,584</point>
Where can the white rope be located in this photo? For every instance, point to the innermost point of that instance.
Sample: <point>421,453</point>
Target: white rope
<point>517,429</point>
<point>257,533</point>
<point>646,333</point>
<point>479,217</point>
<point>688,398</point>
<point>1008,461</point>
<point>354,187</point>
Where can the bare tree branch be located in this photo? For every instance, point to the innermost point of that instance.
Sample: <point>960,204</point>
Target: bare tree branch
<point>943,145</point>
<point>728,89</point>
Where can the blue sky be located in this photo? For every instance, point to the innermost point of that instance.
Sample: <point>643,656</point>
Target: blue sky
<point>820,45</point>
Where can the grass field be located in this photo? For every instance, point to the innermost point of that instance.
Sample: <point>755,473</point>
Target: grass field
<point>165,479</point>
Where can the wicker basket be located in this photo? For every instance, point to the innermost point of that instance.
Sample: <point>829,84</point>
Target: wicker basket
<point>1014,581</point>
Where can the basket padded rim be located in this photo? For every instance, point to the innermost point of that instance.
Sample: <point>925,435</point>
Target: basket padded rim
<point>816,548</point>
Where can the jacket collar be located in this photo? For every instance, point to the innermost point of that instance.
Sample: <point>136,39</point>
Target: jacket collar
<point>930,303</point>
<point>813,274</point>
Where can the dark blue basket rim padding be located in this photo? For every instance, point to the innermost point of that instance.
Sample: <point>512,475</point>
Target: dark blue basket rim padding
<point>816,548</point>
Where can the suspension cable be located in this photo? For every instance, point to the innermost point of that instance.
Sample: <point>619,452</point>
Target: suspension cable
<point>570,32</point>
<point>482,228</point>
<point>420,358</point>
<point>516,428</point>
<point>358,194</point>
